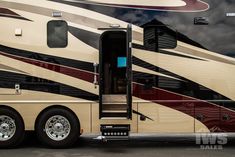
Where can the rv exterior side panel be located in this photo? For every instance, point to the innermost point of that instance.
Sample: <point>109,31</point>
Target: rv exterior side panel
<point>182,63</point>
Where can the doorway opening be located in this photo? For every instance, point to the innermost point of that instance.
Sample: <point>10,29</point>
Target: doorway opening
<point>114,74</point>
<point>114,62</point>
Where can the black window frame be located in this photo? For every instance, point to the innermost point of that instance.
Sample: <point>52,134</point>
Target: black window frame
<point>52,43</point>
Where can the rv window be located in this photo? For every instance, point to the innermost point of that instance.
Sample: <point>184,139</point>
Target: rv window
<point>57,34</point>
<point>159,37</point>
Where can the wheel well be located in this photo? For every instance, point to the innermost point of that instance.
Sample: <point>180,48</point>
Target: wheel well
<point>14,110</point>
<point>55,107</point>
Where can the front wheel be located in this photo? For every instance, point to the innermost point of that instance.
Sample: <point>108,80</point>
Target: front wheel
<point>58,128</point>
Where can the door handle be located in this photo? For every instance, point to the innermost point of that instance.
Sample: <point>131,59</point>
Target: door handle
<point>17,89</point>
<point>95,82</point>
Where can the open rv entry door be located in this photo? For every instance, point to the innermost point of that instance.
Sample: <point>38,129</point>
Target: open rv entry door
<point>129,70</point>
<point>115,73</point>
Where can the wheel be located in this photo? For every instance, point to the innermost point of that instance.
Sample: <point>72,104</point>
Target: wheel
<point>58,128</point>
<point>11,128</point>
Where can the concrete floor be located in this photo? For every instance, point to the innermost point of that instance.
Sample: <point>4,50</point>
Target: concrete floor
<point>141,146</point>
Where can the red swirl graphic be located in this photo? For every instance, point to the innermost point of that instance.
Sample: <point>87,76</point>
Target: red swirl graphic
<point>191,6</point>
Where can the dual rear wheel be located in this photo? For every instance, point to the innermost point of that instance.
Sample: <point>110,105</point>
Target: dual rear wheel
<point>55,127</point>
<point>58,128</point>
<point>11,128</point>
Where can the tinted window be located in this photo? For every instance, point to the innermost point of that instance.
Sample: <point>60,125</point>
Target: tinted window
<point>57,34</point>
<point>159,37</point>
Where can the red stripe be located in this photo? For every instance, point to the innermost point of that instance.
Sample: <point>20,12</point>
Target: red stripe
<point>191,5</point>
<point>57,68</point>
<point>212,113</point>
<point>194,107</point>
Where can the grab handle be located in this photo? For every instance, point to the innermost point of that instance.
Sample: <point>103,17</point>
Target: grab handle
<point>95,82</point>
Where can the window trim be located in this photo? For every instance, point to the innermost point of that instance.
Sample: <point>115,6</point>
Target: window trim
<point>67,29</point>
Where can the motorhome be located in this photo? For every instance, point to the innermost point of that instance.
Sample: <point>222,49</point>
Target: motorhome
<point>115,67</point>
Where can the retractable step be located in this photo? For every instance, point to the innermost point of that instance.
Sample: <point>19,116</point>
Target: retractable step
<point>114,106</point>
<point>118,98</point>
<point>115,132</point>
<point>110,115</point>
<point>118,110</point>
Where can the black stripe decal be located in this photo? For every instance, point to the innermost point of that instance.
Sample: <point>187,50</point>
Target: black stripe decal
<point>137,46</point>
<point>142,115</point>
<point>141,63</point>
<point>48,58</point>
<point>179,55</point>
<point>185,87</point>
<point>27,82</point>
<point>14,17</point>
<point>90,38</point>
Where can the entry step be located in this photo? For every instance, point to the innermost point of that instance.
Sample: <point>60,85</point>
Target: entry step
<point>114,107</point>
<point>114,98</point>
<point>114,114</point>
<point>115,131</point>
<point>114,111</point>
<point>114,118</point>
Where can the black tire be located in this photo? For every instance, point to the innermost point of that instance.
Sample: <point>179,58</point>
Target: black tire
<point>18,136</point>
<point>69,140</point>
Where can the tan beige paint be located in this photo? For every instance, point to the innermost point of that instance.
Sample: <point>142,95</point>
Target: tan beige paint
<point>72,14</point>
<point>216,67</point>
<point>164,119</point>
<point>50,75</point>
<point>214,75</point>
<point>147,71</point>
<point>36,41</point>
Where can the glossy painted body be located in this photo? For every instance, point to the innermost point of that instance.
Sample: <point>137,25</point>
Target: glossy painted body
<point>186,89</point>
